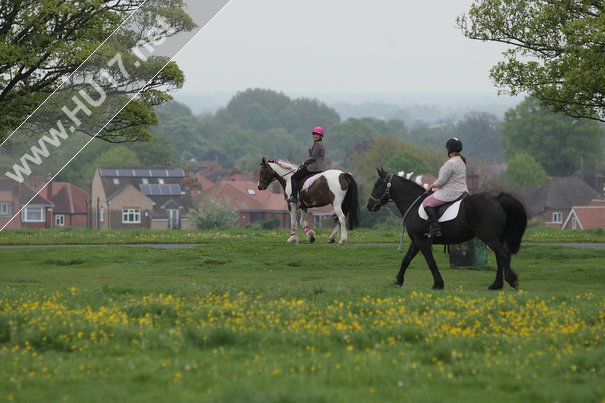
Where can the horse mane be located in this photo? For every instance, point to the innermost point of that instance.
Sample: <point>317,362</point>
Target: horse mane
<point>285,164</point>
<point>414,179</point>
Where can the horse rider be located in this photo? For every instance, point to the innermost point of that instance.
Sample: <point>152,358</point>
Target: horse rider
<point>449,186</point>
<point>314,164</point>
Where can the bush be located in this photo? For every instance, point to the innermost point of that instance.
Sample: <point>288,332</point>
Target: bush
<point>214,213</point>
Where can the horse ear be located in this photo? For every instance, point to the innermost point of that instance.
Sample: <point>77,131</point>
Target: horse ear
<point>381,172</point>
<point>264,161</point>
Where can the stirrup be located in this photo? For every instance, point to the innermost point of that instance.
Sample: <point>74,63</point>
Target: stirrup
<point>434,231</point>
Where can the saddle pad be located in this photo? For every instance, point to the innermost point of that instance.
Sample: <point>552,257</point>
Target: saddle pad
<point>309,181</point>
<point>448,215</point>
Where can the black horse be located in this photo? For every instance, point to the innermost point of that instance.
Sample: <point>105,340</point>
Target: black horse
<point>499,220</point>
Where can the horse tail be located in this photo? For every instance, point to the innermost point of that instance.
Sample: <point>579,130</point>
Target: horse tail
<point>516,221</point>
<point>350,204</point>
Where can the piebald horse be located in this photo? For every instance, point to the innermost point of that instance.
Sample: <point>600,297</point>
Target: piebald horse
<point>330,187</point>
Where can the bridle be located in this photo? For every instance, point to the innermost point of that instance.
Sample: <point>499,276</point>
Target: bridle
<point>274,177</point>
<point>386,196</point>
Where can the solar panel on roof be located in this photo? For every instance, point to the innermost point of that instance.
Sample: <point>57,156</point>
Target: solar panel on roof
<point>143,173</point>
<point>160,190</point>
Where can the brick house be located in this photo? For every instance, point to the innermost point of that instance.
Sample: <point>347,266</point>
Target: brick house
<point>155,198</point>
<point>553,201</point>
<point>586,217</point>
<point>35,210</point>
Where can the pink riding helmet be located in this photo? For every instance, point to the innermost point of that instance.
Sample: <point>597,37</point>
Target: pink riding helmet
<point>319,130</point>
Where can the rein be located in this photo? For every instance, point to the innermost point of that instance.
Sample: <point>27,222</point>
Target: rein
<point>386,197</point>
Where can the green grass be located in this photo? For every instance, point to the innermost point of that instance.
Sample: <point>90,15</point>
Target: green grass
<point>392,235</point>
<point>240,316</point>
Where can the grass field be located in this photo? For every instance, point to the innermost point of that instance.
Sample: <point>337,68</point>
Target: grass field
<point>240,316</point>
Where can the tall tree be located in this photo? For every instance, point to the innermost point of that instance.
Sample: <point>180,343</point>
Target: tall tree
<point>43,42</point>
<point>559,143</point>
<point>480,135</point>
<point>556,52</point>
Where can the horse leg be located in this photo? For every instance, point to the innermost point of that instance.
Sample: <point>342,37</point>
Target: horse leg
<point>306,229</point>
<point>427,251</point>
<point>405,262</point>
<point>293,224</point>
<point>342,220</point>
<point>503,271</point>
<point>332,237</point>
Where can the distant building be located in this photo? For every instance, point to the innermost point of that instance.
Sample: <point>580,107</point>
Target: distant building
<point>553,201</point>
<point>29,210</point>
<point>154,198</point>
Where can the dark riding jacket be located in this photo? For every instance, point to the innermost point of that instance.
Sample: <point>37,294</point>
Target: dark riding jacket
<point>317,154</point>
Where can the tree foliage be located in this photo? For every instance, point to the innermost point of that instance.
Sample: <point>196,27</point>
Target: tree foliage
<point>556,54</point>
<point>214,213</point>
<point>522,170</point>
<point>559,143</point>
<point>43,42</point>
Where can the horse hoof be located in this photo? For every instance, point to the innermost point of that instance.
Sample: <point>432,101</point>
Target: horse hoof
<point>397,282</point>
<point>495,286</point>
<point>312,239</point>
<point>293,239</point>
<point>331,240</point>
<point>342,242</point>
<point>438,287</point>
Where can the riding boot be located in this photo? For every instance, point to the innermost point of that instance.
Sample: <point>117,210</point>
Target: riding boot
<point>434,227</point>
<point>294,196</point>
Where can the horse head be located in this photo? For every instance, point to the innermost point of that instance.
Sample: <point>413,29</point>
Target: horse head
<point>381,191</point>
<point>266,174</point>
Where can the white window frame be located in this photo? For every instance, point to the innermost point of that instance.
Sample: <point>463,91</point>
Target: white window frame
<point>131,216</point>
<point>59,220</point>
<point>574,223</point>
<point>5,208</point>
<point>101,214</point>
<point>26,217</point>
<point>557,217</point>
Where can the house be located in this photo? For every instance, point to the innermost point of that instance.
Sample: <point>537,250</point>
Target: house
<point>155,198</point>
<point>553,201</point>
<point>70,204</point>
<point>586,217</point>
<point>20,207</point>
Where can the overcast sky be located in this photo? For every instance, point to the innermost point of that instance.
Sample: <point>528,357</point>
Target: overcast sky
<point>315,47</point>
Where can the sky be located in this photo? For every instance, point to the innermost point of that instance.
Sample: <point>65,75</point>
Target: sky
<point>341,47</point>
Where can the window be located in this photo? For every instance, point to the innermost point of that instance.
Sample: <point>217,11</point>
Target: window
<point>145,181</point>
<point>59,220</point>
<point>32,214</point>
<point>101,214</point>
<point>557,217</point>
<point>251,192</point>
<point>116,181</point>
<point>161,181</point>
<point>6,208</point>
<point>131,216</point>
<point>574,223</point>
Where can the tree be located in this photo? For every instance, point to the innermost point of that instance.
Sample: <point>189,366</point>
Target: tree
<point>559,143</point>
<point>557,52</point>
<point>522,170</point>
<point>480,135</point>
<point>214,213</point>
<point>43,42</point>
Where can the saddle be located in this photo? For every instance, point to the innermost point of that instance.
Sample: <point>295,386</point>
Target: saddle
<point>445,212</point>
<point>307,181</point>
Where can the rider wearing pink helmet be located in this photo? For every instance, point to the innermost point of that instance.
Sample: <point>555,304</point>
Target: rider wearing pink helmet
<point>315,163</point>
